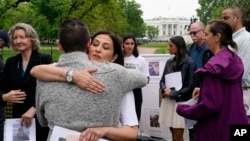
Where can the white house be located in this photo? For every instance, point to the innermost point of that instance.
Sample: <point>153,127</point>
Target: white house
<point>169,27</point>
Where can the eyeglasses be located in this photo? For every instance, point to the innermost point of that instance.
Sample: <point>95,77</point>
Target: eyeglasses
<point>195,32</point>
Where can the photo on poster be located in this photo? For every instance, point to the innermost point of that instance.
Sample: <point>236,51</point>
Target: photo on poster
<point>61,139</point>
<point>156,64</point>
<point>13,131</point>
<point>152,123</point>
<point>154,68</point>
<point>154,119</point>
<point>20,133</point>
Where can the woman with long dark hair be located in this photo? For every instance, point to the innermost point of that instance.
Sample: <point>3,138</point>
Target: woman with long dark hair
<point>182,63</point>
<point>132,60</point>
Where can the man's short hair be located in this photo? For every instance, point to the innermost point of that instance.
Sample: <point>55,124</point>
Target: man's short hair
<point>74,35</point>
<point>236,11</point>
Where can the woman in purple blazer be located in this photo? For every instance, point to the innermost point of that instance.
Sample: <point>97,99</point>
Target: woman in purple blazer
<point>220,102</point>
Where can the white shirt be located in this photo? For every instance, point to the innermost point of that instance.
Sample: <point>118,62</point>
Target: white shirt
<point>138,63</point>
<point>242,38</point>
<point>128,114</point>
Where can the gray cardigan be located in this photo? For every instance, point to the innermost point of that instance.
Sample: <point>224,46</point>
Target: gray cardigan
<point>68,106</point>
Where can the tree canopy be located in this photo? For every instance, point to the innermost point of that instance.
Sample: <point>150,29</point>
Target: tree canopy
<point>152,32</point>
<point>212,9</point>
<point>119,16</point>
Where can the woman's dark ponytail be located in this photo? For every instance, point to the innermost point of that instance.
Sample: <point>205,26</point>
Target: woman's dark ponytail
<point>233,44</point>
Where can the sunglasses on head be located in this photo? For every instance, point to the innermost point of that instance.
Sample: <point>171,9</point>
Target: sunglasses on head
<point>195,32</point>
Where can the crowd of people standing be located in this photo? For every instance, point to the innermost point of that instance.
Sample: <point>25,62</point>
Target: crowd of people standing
<point>104,46</point>
<point>220,51</point>
<point>95,87</point>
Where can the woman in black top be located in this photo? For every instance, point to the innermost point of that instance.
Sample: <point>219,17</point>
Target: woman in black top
<point>18,86</point>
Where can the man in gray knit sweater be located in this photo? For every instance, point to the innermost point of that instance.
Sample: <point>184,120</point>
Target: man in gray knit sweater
<point>65,104</point>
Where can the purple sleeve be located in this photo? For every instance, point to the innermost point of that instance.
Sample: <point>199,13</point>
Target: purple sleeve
<point>209,102</point>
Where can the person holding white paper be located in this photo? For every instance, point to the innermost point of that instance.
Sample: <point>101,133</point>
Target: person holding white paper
<point>220,102</point>
<point>17,85</point>
<point>183,67</point>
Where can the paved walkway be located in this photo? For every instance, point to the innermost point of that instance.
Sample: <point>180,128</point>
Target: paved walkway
<point>143,50</point>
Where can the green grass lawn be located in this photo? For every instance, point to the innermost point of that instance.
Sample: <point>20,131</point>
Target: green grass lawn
<point>161,47</point>
<point>155,45</point>
<point>54,51</point>
<point>48,49</point>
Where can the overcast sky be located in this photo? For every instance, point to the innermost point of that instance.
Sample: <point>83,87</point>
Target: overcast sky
<point>168,8</point>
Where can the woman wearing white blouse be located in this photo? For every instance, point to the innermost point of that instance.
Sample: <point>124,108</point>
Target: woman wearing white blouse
<point>133,60</point>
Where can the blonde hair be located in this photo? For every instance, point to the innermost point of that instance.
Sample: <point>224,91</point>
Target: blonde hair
<point>30,33</point>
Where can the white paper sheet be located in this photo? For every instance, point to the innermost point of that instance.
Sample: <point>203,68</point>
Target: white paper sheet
<point>173,80</point>
<point>64,134</point>
<point>13,131</point>
<point>189,123</point>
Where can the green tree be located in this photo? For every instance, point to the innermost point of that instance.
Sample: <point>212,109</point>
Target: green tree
<point>152,32</point>
<point>45,15</point>
<point>26,13</point>
<point>245,7</point>
<point>107,16</point>
<point>212,9</point>
<point>133,15</point>
<point>97,14</point>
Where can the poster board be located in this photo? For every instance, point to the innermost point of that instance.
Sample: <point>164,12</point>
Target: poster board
<point>151,99</point>
<point>13,131</point>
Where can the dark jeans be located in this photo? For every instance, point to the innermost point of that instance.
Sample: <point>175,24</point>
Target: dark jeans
<point>2,118</point>
<point>138,102</point>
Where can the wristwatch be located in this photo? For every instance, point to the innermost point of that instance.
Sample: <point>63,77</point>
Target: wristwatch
<point>69,76</point>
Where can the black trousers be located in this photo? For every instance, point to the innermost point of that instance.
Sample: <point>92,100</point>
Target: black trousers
<point>41,132</point>
<point>138,102</point>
